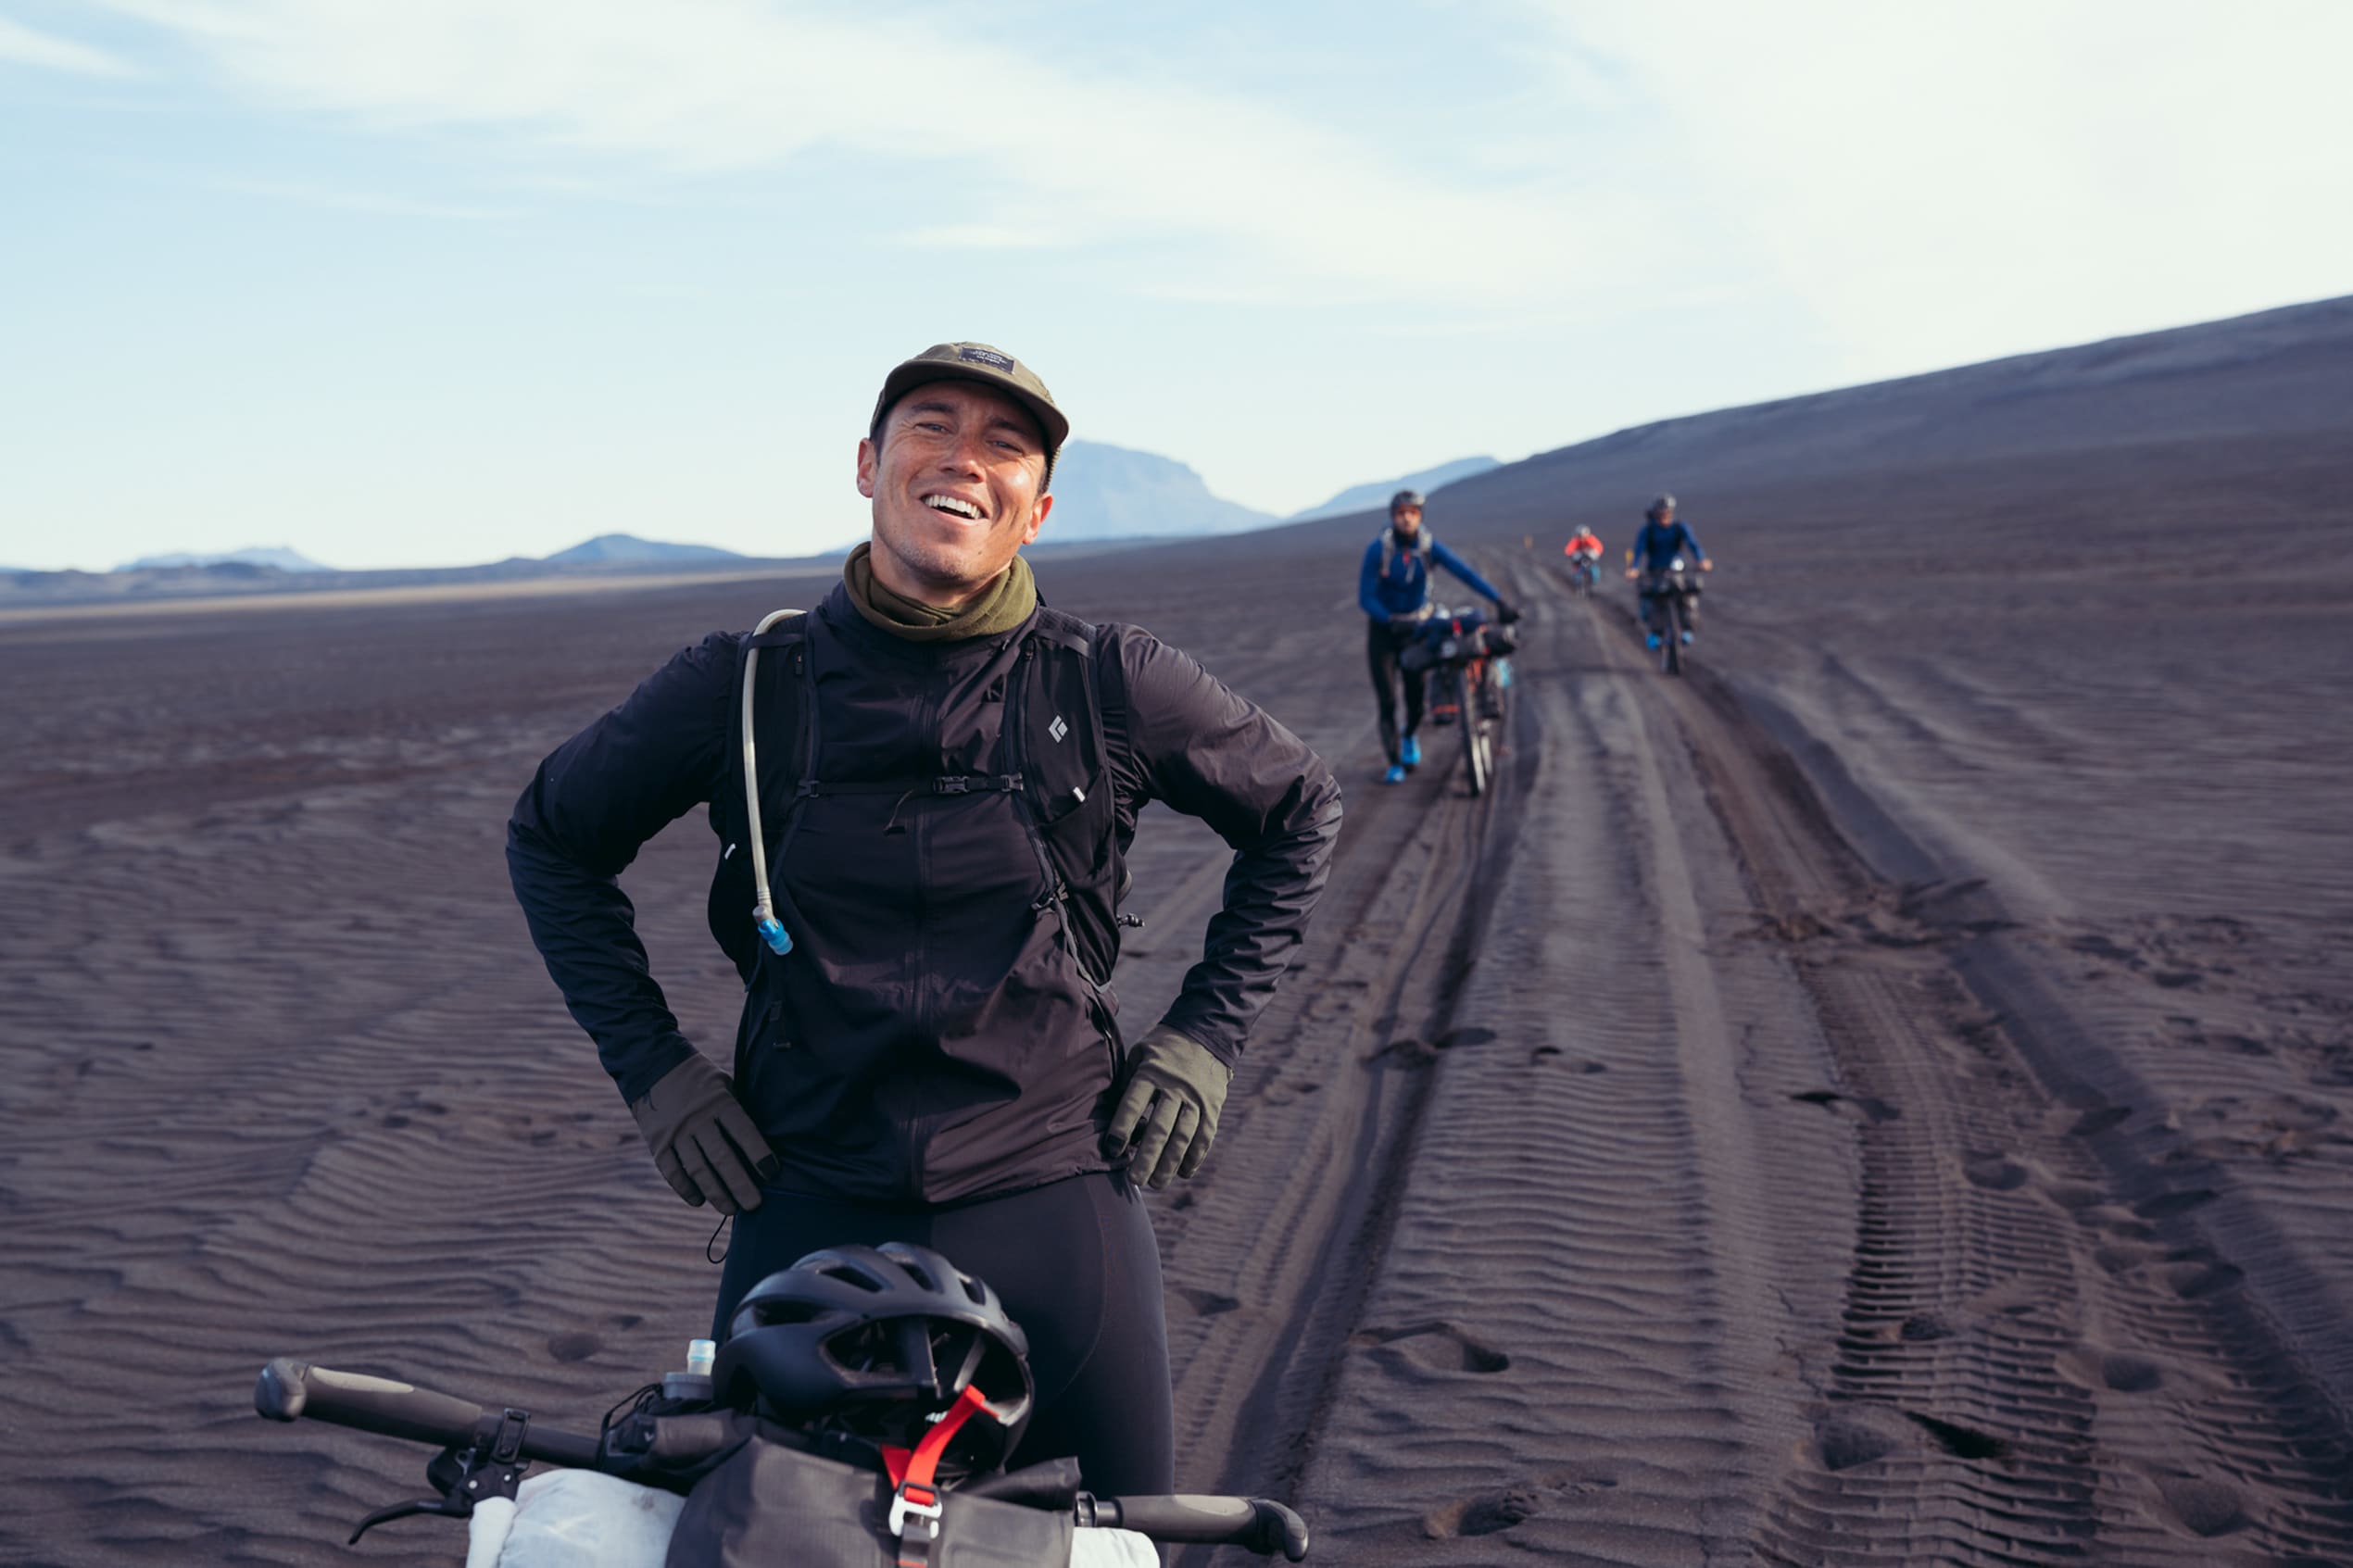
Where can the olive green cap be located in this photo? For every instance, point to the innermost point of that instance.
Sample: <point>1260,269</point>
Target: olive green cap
<point>990,367</point>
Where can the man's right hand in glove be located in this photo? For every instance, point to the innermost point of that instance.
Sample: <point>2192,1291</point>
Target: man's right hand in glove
<point>703,1140</point>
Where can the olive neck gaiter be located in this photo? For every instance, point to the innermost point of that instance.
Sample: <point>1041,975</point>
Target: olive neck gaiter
<point>997,608</point>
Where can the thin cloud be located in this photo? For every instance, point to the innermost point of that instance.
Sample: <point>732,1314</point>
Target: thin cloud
<point>348,199</point>
<point>1260,200</point>
<point>22,46</point>
<point>1945,180</point>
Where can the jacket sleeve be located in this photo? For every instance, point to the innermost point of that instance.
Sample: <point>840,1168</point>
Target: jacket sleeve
<point>1208,753</point>
<point>589,809</point>
<point>1462,568</point>
<point>1699,552</point>
<point>1368,583</point>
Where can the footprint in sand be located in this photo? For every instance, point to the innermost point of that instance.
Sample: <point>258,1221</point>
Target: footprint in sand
<point>1207,1303</point>
<point>577,1346</point>
<point>1855,1108</point>
<point>2099,1119</point>
<point>2167,1203</point>
<point>1961,1442</point>
<point>1485,1514</point>
<point>1859,1435</point>
<point>2195,1278</point>
<point>1994,1173</point>
<point>2074,1196</point>
<point>1439,1347</point>
<point>2122,1257</point>
<point>2206,1509</point>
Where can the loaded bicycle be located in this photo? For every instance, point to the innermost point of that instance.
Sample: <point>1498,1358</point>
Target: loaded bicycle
<point>858,1414</point>
<point>1667,600</point>
<point>1468,659</point>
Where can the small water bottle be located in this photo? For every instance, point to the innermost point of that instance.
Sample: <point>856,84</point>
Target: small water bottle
<point>695,1382</point>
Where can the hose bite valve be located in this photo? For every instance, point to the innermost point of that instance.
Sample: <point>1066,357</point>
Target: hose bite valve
<point>772,931</point>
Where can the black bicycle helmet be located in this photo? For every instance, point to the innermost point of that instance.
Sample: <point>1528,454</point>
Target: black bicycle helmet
<point>875,1341</point>
<point>1661,505</point>
<point>1405,498</point>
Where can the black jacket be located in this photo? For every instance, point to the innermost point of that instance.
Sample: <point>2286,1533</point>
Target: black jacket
<point>932,1036</point>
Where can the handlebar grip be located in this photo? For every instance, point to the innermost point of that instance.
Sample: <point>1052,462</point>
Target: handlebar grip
<point>289,1390</point>
<point>1260,1524</point>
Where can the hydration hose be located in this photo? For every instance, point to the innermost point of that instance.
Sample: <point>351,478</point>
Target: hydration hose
<point>763,909</point>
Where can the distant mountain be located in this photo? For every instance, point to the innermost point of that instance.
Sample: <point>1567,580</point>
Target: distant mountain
<point>1372,497</point>
<point>615,549</point>
<point>1103,492</point>
<point>278,556</point>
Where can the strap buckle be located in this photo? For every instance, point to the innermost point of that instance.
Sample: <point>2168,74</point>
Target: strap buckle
<point>952,783</point>
<point>915,1503</point>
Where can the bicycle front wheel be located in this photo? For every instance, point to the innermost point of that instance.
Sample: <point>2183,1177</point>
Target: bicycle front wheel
<point>1475,754</point>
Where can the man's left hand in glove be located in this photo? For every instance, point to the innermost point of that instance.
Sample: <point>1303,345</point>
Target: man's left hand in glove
<point>1168,1110</point>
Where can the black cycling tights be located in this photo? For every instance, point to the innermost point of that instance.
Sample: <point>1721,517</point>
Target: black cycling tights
<point>1382,645</point>
<point>1075,1265</point>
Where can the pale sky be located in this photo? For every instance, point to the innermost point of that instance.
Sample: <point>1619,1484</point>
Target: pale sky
<point>431,281</point>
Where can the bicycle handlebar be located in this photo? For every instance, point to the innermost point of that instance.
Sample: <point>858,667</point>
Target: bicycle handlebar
<point>296,1390</point>
<point>292,1390</point>
<point>1260,1524</point>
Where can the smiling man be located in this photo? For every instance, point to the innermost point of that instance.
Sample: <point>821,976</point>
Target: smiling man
<point>948,775</point>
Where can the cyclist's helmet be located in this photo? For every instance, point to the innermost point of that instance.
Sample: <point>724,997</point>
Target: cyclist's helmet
<point>1661,505</point>
<point>1405,498</point>
<point>875,1341</point>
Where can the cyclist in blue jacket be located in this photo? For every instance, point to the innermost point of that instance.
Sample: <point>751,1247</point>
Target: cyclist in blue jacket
<point>1663,538</point>
<point>1394,591</point>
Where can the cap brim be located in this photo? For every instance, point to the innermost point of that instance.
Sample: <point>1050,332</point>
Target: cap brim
<point>906,378</point>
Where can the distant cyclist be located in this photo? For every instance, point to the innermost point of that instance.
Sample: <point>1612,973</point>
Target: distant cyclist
<point>1652,553</point>
<point>1394,591</point>
<point>1584,553</point>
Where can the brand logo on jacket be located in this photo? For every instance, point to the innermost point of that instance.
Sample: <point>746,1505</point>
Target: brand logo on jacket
<point>1058,729</point>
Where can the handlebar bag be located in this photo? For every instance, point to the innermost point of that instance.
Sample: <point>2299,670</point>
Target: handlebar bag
<point>573,1519</point>
<point>770,1504</point>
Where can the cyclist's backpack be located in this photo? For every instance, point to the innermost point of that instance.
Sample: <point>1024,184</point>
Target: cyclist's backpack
<point>1389,551</point>
<point>1066,709</point>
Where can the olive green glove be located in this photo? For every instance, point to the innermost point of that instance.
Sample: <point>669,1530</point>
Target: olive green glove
<point>1168,1110</point>
<point>703,1140</point>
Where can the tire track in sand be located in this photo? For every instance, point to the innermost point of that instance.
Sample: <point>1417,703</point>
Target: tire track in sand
<point>2024,1361</point>
<point>1614,1225</point>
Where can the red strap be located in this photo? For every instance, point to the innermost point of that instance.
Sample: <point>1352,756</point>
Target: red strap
<point>922,1463</point>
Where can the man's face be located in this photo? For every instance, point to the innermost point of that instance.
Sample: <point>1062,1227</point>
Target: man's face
<point>955,476</point>
<point>1406,520</point>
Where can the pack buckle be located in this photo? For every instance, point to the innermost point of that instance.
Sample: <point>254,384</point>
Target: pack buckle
<point>917,1505</point>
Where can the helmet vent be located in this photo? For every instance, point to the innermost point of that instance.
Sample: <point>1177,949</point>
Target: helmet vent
<point>849,1275</point>
<point>771,1313</point>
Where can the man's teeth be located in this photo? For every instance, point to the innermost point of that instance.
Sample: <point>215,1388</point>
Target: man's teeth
<point>950,504</point>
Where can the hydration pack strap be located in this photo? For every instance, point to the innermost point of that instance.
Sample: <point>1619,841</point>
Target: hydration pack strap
<point>914,1505</point>
<point>763,909</point>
